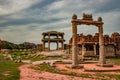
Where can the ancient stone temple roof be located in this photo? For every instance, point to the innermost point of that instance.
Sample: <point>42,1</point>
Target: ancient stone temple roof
<point>53,36</point>
<point>52,32</point>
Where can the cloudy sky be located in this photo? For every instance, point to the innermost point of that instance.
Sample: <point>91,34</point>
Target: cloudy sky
<point>25,20</point>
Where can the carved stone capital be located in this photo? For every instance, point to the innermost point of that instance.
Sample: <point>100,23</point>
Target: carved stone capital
<point>74,16</point>
<point>100,19</point>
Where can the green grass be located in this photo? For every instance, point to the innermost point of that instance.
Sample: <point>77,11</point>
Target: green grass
<point>9,70</point>
<point>46,67</point>
<point>114,60</point>
<point>37,58</point>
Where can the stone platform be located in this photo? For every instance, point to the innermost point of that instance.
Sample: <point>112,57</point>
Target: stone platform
<point>90,68</point>
<point>105,68</point>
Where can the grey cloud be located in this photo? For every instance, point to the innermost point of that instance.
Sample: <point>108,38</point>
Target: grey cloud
<point>29,21</point>
<point>42,4</point>
<point>45,16</point>
<point>109,5</point>
<point>4,2</point>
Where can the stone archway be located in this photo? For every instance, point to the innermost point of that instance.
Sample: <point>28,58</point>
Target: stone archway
<point>87,20</point>
<point>53,37</point>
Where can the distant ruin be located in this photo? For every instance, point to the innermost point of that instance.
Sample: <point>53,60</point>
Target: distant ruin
<point>91,44</point>
<point>53,36</point>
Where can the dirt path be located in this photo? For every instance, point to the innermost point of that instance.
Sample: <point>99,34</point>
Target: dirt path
<point>27,73</point>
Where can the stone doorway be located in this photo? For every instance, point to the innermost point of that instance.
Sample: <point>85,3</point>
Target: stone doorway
<point>86,20</point>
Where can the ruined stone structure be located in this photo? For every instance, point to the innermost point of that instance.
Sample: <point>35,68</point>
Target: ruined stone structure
<point>87,20</point>
<point>39,47</point>
<point>91,44</point>
<point>53,36</point>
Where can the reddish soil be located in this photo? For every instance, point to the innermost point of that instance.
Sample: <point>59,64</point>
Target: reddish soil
<point>27,73</point>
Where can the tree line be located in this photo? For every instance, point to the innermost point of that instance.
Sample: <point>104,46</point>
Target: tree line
<point>10,45</point>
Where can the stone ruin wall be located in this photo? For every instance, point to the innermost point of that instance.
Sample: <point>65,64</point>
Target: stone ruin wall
<point>111,43</point>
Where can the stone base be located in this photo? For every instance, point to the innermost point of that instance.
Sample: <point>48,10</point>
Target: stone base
<point>75,66</point>
<point>95,70</point>
<point>104,65</point>
<point>91,67</point>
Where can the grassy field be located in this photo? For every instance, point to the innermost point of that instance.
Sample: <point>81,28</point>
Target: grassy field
<point>9,70</point>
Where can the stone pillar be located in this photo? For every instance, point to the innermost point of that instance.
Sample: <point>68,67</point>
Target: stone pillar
<point>43,42</point>
<point>63,42</point>
<point>57,45</point>
<point>49,45</point>
<point>74,45</point>
<point>57,35</point>
<point>43,36</point>
<point>101,46</point>
<point>43,46</point>
<point>83,51</point>
<point>62,45</point>
<point>48,41</point>
<point>94,46</point>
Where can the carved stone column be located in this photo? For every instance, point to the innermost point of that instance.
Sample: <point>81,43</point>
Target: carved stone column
<point>94,46</point>
<point>62,42</point>
<point>74,45</point>
<point>62,45</point>
<point>43,42</point>
<point>57,45</point>
<point>49,45</point>
<point>83,51</point>
<point>43,45</point>
<point>101,46</point>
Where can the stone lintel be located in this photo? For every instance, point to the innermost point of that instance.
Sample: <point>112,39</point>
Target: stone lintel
<point>87,22</point>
